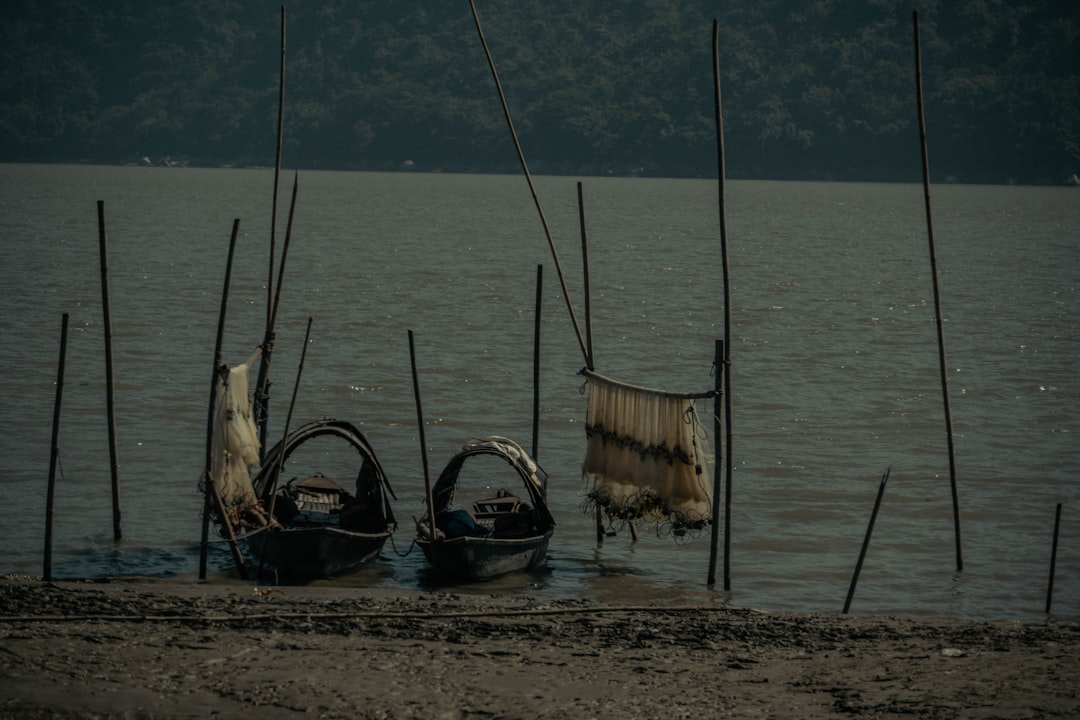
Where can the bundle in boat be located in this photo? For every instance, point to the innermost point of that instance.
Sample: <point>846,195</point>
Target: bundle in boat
<point>645,454</point>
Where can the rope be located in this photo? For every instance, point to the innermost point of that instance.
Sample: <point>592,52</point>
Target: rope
<point>398,552</point>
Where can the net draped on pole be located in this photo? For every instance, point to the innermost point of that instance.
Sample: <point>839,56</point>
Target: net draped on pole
<point>646,455</point>
<point>235,447</point>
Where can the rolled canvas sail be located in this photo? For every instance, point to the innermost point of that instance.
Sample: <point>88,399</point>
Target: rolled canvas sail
<point>645,454</point>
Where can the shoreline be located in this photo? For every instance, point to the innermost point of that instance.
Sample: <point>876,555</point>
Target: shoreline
<point>169,649</point>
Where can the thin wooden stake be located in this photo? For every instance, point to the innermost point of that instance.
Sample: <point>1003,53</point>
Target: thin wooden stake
<point>54,451</point>
<point>1053,559</point>
<point>866,541</point>
<point>536,362</point>
<point>212,495</point>
<point>277,170</point>
<point>718,365</point>
<point>262,384</point>
<point>943,365</point>
<point>729,469</point>
<point>590,358</point>
<point>423,445</point>
<point>110,387</point>
<point>528,178</point>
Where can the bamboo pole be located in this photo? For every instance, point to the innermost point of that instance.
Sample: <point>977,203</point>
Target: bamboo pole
<point>277,168</point>
<point>423,445</point>
<point>866,541</point>
<point>718,364</point>
<point>590,358</point>
<point>943,364</point>
<point>212,495</point>
<point>54,451</point>
<point>110,387</point>
<point>262,385</point>
<point>279,461</point>
<point>529,180</point>
<point>729,469</point>
<point>1053,559</point>
<point>536,362</point>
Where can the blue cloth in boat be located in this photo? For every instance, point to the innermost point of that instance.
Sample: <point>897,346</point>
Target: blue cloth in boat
<point>460,523</point>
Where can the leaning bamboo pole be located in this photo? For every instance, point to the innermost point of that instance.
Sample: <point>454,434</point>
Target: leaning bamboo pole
<point>211,490</point>
<point>529,180</point>
<point>110,386</point>
<point>866,541</point>
<point>54,451</point>
<point>943,365</point>
<point>1053,559</point>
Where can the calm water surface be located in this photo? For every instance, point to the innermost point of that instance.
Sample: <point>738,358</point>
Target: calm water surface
<point>835,367</point>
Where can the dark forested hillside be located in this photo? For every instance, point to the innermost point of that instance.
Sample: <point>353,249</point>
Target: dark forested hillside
<point>815,90</point>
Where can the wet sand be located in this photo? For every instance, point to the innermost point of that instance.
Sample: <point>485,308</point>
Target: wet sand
<point>172,649</point>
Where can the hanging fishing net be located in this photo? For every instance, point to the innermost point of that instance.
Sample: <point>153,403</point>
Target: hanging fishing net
<point>235,448</point>
<point>645,456</point>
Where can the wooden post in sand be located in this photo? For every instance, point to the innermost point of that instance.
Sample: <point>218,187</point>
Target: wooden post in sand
<point>1053,559</point>
<point>110,391</point>
<point>54,451</point>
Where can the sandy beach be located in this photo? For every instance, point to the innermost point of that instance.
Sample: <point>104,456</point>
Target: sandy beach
<point>172,649</point>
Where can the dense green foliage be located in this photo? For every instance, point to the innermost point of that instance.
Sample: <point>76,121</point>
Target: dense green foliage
<point>820,89</point>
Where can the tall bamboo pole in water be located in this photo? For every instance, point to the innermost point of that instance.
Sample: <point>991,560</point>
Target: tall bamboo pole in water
<point>277,168</point>
<point>536,362</point>
<point>211,490</point>
<point>590,359</point>
<point>54,451</point>
<point>110,388</point>
<point>262,399</point>
<point>262,385</point>
<point>423,446</point>
<point>943,365</point>
<point>724,364</point>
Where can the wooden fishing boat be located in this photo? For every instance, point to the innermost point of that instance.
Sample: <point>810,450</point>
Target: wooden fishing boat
<point>318,528</point>
<point>496,533</point>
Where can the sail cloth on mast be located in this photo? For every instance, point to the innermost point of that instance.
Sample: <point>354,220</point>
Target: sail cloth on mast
<point>645,454</point>
<point>235,447</point>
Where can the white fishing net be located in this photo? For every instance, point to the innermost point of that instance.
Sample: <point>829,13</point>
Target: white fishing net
<point>645,455</point>
<point>235,446</point>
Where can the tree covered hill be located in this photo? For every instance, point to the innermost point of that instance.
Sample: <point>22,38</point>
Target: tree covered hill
<point>812,90</point>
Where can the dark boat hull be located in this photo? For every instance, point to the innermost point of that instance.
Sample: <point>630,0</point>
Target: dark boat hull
<point>482,558</point>
<point>307,553</point>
